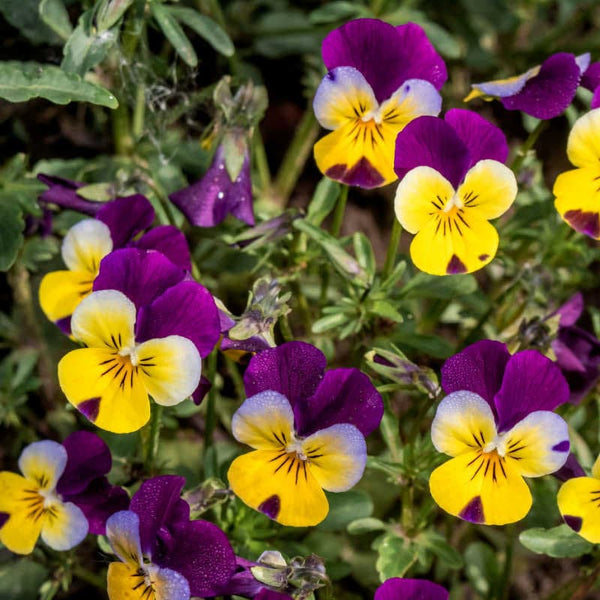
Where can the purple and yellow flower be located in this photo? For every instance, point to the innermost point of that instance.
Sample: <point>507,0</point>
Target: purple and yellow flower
<point>577,191</point>
<point>579,504</point>
<point>380,78</point>
<point>453,181</point>
<point>164,555</point>
<point>398,588</point>
<point>307,428</point>
<point>497,424</point>
<point>117,224</point>
<point>544,91</point>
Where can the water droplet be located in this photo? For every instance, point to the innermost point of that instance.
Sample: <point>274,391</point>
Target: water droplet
<point>220,195</point>
<point>221,167</point>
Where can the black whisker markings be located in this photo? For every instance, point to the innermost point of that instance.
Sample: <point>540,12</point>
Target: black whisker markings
<point>379,132</point>
<point>445,221</point>
<point>298,469</point>
<point>515,443</point>
<point>110,369</point>
<point>145,372</point>
<point>280,442</point>
<point>283,463</point>
<point>438,224</point>
<point>122,384</point>
<point>478,468</point>
<point>511,450</point>
<point>116,374</point>
<point>119,339</point>
<point>502,467</point>
<point>494,472</point>
<point>462,219</point>
<point>283,436</point>
<point>131,378</point>
<point>314,456</point>
<point>476,458</point>
<point>596,499</point>
<point>487,466</point>
<point>114,342</point>
<point>108,360</point>
<point>457,228</point>
<point>356,111</point>
<point>291,465</point>
<point>304,469</point>
<point>476,440</point>
<point>482,438</point>
<point>278,457</point>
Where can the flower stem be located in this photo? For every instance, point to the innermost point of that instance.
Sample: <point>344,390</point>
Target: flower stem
<point>153,439</point>
<point>392,250</point>
<point>527,146</point>
<point>262,165</point>
<point>340,210</point>
<point>504,587</point>
<point>210,459</point>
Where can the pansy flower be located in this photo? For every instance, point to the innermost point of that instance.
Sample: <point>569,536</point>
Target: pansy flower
<point>30,505</point>
<point>117,224</point>
<point>579,504</point>
<point>453,181</point>
<point>544,91</point>
<point>578,191</point>
<point>63,192</point>
<point>497,424</point>
<point>398,588</point>
<point>380,78</point>
<point>307,428</point>
<point>164,555</point>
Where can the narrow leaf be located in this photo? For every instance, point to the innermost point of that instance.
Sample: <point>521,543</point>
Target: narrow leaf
<point>173,32</point>
<point>55,15</point>
<point>11,231</point>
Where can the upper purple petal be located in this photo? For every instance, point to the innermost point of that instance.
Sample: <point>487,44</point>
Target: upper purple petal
<point>169,241</point>
<point>479,368</point>
<point>431,142</point>
<point>591,77</point>
<point>570,469</point>
<point>595,103</point>
<point>548,94</point>
<point>386,56</point>
<point>483,139</point>
<point>293,369</point>
<point>571,310</point>
<point>142,275</point>
<point>63,193</point>
<point>266,594</point>
<point>207,202</point>
<point>126,217</point>
<point>343,396</point>
<point>410,589</point>
<point>531,382</point>
<point>187,309</point>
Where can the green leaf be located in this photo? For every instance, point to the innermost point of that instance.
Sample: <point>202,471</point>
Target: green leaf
<point>22,81</point>
<point>205,27</point>
<point>364,253</point>
<point>423,285</point>
<point>97,192</point>
<point>337,11</point>
<point>55,15</point>
<point>558,542</point>
<point>396,556</point>
<point>436,543</point>
<point>37,250</point>
<point>382,308</point>
<point>481,567</point>
<point>173,32</point>
<point>24,15</point>
<point>87,47</point>
<point>110,12</point>
<point>11,231</point>
<point>365,525</point>
<point>329,322</point>
<point>345,507</point>
<point>323,201</point>
<point>21,579</point>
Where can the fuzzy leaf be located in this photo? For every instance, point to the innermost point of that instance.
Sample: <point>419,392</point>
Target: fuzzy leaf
<point>205,27</point>
<point>55,15</point>
<point>170,27</point>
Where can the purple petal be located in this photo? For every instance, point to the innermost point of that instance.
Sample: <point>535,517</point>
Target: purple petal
<point>571,310</point>
<point>570,469</point>
<point>167,240</point>
<point>431,142</point>
<point>595,103</point>
<point>266,594</point>
<point>126,217</point>
<point>202,554</point>
<point>482,138</point>
<point>207,202</point>
<point>142,275</point>
<point>186,309</point>
<point>548,94</point>
<point>479,368</point>
<point>386,56</point>
<point>201,391</point>
<point>293,369</point>
<point>252,345</point>
<point>566,359</point>
<point>343,396</point>
<point>88,458</point>
<point>63,193</point>
<point>531,382</point>
<point>410,589</point>
<point>591,77</point>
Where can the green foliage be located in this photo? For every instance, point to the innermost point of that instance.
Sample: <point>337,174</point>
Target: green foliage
<point>557,542</point>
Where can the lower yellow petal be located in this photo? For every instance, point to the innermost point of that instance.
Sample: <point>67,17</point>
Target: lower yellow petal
<point>105,388</point>
<point>481,488</point>
<point>579,504</point>
<point>61,292</point>
<point>583,146</point>
<point>64,525</point>
<point>279,485</point>
<point>23,505</point>
<point>12,490</point>
<point>127,582</point>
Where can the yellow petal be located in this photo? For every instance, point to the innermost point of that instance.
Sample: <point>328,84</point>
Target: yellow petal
<point>481,488</point>
<point>105,319</point>
<point>279,485</point>
<point>43,463</point>
<point>596,468</point>
<point>61,292</point>
<point>579,504</point>
<point>22,530</point>
<point>64,525</point>
<point>583,146</point>
<point>127,582</point>
<point>13,488</point>
<point>105,388</point>
<point>85,245</point>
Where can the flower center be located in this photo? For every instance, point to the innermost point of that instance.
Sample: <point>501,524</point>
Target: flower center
<point>453,204</point>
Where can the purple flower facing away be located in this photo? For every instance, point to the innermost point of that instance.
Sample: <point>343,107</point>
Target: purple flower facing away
<point>544,91</point>
<point>207,202</point>
<point>380,78</point>
<point>308,429</point>
<point>577,350</point>
<point>496,423</point>
<point>63,193</point>
<point>397,588</point>
<point>164,555</point>
<point>118,224</point>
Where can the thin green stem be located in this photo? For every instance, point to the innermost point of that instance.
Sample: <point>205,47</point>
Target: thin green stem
<point>527,146</point>
<point>153,438</point>
<point>262,165</point>
<point>286,330</point>
<point>339,211</point>
<point>504,587</point>
<point>139,111</point>
<point>211,416</point>
<point>392,250</point>
<point>234,373</point>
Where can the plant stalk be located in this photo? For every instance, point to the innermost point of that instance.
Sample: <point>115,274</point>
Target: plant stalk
<point>392,250</point>
<point>339,211</point>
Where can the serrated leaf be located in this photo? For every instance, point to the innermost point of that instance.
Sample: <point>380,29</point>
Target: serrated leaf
<point>11,231</point>
<point>396,556</point>
<point>323,200</point>
<point>558,542</point>
<point>206,28</point>
<point>173,32</point>
<point>22,81</point>
<point>55,15</point>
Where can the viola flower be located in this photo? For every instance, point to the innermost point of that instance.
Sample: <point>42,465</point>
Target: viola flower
<point>497,424</point>
<point>591,81</point>
<point>63,193</point>
<point>544,91</point>
<point>30,505</point>
<point>307,428</point>
<point>577,190</point>
<point>410,589</point>
<point>578,500</point>
<point>116,225</point>
<point>164,555</point>
<point>380,78</point>
<point>453,181</point>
